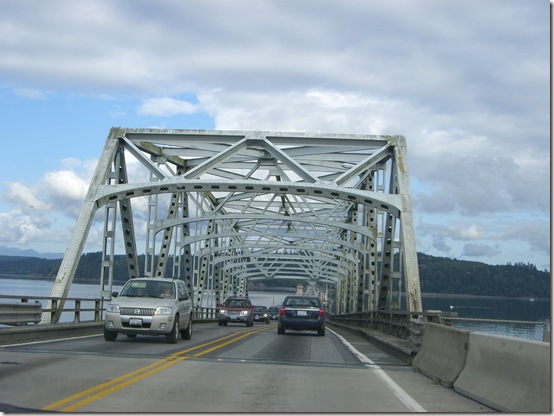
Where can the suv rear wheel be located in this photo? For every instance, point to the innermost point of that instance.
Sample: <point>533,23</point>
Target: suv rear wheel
<point>173,336</point>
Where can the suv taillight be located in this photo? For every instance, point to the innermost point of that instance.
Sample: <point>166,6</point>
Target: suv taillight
<point>321,312</point>
<point>282,311</point>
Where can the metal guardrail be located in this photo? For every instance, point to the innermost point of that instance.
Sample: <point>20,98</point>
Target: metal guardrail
<point>77,307</point>
<point>205,314</point>
<point>20,313</point>
<point>24,310</point>
<point>399,324</point>
<point>409,326</point>
<point>87,317</point>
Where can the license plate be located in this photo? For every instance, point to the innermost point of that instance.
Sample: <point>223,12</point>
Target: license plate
<point>233,317</point>
<point>135,322</point>
<point>257,317</point>
<point>302,313</point>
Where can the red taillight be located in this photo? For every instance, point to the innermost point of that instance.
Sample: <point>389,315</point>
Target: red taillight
<point>282,311</point>
<point>321,312</point>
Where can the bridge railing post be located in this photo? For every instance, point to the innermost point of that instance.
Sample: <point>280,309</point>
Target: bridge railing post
<point>98,310</point>
<point>53,309</point>
<point>77,311</point>
<point>546,331</point>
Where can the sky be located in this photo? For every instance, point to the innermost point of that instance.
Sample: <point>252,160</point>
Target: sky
<point>467,82</point>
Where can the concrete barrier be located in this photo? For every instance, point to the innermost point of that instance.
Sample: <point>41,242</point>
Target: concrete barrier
<point>33,333</point>
<point>442,354</point>
<point>507,374</point>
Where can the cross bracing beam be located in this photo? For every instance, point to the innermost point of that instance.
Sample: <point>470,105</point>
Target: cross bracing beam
<point>233,202</point>
<point>309,258</point>
<point>163,224</point>
<point>286,271</point>
<point>391,203</point>
<point>223,255</point>
<point>290,241</point>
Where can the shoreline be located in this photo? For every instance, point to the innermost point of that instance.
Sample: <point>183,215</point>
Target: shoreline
<point>271,290</point>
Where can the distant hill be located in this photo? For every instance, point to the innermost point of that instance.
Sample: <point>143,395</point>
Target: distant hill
<point>445,275</point>
<point>436,274</point>
<point>9,251</point>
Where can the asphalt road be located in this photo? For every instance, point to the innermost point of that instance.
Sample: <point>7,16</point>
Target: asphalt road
<point>221,369</point>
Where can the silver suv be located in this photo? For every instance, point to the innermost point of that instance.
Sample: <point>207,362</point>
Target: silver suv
<point>150,306</point>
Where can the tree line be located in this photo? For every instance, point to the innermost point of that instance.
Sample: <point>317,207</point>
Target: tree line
<point>436,274</point>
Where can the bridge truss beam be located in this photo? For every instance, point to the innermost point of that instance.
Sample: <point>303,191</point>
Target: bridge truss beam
<point>232,207</point>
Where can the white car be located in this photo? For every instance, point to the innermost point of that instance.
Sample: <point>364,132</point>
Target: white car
<point>150,306</point>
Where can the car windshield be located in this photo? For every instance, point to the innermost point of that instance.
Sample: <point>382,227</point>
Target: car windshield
<point>259,309</point>
<point>154,289</point>
<point>236,303</point>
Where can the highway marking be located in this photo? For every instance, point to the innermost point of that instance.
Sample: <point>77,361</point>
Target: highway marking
<point>396,389</point>
<point>104,389</point>
<point>47,341</point>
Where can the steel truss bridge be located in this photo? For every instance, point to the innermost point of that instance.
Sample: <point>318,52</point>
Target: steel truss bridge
<point>222,209</point>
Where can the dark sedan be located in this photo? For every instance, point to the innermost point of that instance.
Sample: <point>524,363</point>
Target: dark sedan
<point>273,313</point>
<point>260,314</point>
<point>301,313</point>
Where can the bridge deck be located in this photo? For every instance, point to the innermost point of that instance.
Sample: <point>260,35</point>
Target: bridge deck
<point>222,369</point>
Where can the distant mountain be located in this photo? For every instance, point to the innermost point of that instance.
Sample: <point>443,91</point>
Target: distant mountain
<point>15,252</point>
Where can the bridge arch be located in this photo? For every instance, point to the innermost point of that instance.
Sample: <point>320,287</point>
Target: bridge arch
<point>218,201</point>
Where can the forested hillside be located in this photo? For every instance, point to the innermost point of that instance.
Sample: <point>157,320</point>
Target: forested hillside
<point>444,275</point>
<point>437,275</point>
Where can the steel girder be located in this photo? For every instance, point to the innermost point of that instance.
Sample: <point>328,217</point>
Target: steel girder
<point>231,207</point>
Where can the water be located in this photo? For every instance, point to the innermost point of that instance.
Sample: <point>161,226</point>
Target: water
<point>504,309</point>
<point>473,308</point>
<point>33,287</point>
<point>22,286</point>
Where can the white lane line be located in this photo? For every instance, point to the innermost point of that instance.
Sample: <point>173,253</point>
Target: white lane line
<point>44,341</point>
<point>397,390</point>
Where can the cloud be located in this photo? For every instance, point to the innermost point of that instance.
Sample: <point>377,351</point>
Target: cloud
<point>479,250</point>
<point>480,183</point>
<point>23,228</point>
<point>66,188</point>
<point>47,210</point>
<point>65,184</point>
<point>466,82</point>
<point>459,231</point>
<point>25,198</point>
<point>533,231</point>
<point>166,106</point>
<point>316,110</point>
<point>498,239</point>
<point>30,93</point>
<point>439,243</point>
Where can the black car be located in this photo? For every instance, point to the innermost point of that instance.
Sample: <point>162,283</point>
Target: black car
<point>301,313</point>
<point>260,314</point>
<point>273,312</point>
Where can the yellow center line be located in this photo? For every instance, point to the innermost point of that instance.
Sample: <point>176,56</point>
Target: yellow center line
<point>125,380</point>
<point>133,373</point>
